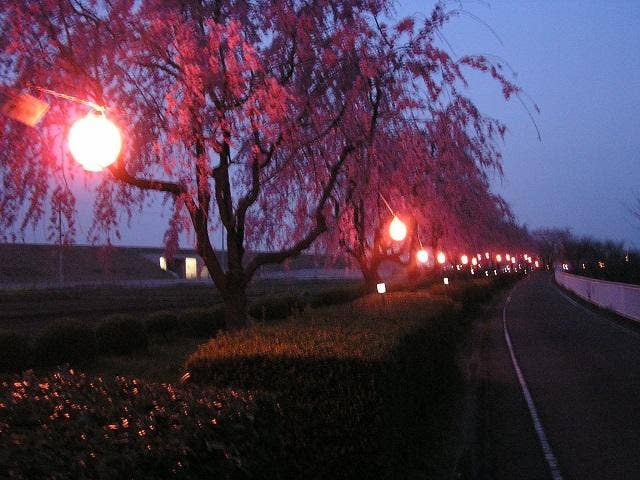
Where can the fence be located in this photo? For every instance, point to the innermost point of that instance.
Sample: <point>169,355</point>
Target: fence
<point>622,298</point>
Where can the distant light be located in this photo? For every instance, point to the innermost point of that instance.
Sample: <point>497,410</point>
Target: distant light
<point>441,258</point>
<point>474,261</point>
<point>190,268</point>
<point>163,263</point>
<point>397,229</point>
<point>382,288</point>
<point>446,281</point>
<point>473,272</point>
<point>537,264</point>
<point>94,142</point>
<point>486,273</point>
<point>513,260</point>
<point>486,255</point>
<point>498,258</point>
<point>422,256</point>
<point>464,259</point>
<point>495,272</point>
<point>479,256</point>
<point>508,257</point>
<point>583,266</point>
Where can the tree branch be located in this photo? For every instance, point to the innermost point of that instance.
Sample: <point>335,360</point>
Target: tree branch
<point>319,228</point>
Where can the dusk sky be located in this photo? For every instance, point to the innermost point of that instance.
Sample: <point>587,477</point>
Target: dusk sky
<point>579,61</point>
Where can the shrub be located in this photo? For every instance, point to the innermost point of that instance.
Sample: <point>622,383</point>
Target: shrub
<point>121,334</point>
<point>163,324</point>
<point>331,372</point>
<point>335,296</point>
<point>201,322</point>
<point>276,307</point>
<point>65,341</point>
<point>69,425</point>
<point>15,352</point>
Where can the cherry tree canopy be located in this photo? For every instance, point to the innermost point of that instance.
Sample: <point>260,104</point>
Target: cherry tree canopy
<point>249,116</point>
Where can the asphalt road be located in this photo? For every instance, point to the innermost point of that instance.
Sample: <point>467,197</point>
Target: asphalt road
<point>583,373</point>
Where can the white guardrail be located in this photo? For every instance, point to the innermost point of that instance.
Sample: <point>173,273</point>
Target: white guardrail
<point>622,298</point>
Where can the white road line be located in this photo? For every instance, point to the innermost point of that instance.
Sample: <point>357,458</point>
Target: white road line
<point>594,314</point>
<point>549,456</point>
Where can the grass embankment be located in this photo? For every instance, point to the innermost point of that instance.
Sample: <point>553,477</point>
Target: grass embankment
<point>360,390</point>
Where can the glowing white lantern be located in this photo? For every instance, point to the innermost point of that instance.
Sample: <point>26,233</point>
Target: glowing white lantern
<point>464,259</point>
<point>537,264</point>
<point>422,256</point>
<point>498,258</point>
<point>382,288</point>
<point>513,260</point>
<point>446,281</point>
<point>441,258</point>
<point>474,261</point>
<point>397,229</point>
<point>486,255</point>
<point>94,142</point>
<point>508,257</point>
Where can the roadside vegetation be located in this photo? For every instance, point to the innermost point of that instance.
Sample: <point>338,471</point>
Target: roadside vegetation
<point>362,388</point>
<point>586,256</point>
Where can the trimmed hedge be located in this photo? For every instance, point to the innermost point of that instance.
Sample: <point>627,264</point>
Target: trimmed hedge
<point>121,334</point>
<point>201,322</point>
<point>15,352</point>
<point>276,307</point>
<point>69,425</point>
<point>65,341</point>
<point>335,296</point>
<point>162,323</point>
<point>336,374</point>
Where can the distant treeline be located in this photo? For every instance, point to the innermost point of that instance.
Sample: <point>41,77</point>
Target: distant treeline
<point>606,260</point>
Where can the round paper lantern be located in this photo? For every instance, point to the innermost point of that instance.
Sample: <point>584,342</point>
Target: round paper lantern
<point>94,142</point>
<point>397,229</point>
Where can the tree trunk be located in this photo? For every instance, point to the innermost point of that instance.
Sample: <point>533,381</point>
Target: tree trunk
<point>371,278</point>
<point>236,315</point>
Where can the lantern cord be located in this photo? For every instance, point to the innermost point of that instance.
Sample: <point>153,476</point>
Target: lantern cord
<point>387,204</point>
<point>95,106</point>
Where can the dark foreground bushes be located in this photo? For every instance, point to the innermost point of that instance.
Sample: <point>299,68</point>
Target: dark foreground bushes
<point>15,352</point>
<point>64,341</point>
<point>121,335</point>
<point>368,389</point>
<point>68,425</point>
<point>71,341</point>
<point>354,384</point>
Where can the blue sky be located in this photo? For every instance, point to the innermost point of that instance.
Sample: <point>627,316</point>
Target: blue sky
<point>580,62</point>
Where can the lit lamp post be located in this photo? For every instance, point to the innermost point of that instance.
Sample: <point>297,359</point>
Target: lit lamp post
<point>397,229</point>
<point>94,141</point>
